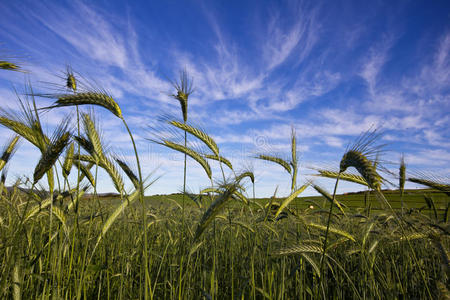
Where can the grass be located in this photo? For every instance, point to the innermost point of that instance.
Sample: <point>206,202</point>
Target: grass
<point>69,242</point>
<point>414,199</point>
<point>269,259</point>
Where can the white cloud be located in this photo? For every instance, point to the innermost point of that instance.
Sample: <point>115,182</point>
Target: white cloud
<point>372,67</point>
<point>281,44</point>
<point>89,32</point>
<point>333,141</point>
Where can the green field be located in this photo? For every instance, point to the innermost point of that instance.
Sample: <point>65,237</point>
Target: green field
<point>60,240</point>
<point>239,255</point>
<point>413,201</point>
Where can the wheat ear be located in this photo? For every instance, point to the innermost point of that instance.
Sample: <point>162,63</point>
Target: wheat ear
<point>360,157</point>
<point>343,176</point>
<point>111,169</point>
<point>402,175</point>
<point>93,135</point>
<point>277,160</point>
<point>248,174</point>
<point>19,128</point>
<point>200,134</point>
<point>432,184</point>
<point>5,65</point>
<point>124,166</point>
<point>85,171</point>
<point>113,217</point>
<point>294,162</point>
<point>364,166</point>
<point>220,159</point>
<point>88,98</point>
<point>184,89</point>
<point>71,82</point>
<point>402,179</point>
<point>50,156</point>
<point>298,249</point>
<point>188,151</point>
<point>333,230</point>
<point>9,151</point>
<point>85,144</point>
<point>329,197</point>
<point>291,197</point>
<point>214,209</point>
<point>68,161</point>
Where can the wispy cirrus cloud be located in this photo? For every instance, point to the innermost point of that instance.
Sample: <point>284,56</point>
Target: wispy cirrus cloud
<point>256,74</point>
<point>293,41</point>
<point>228,76</point>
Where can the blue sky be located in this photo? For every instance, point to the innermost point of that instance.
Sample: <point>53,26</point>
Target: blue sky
<point>331,69</point>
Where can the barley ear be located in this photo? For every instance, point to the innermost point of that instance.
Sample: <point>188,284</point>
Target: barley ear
<point>86,145</point>
<point>88,98</point>
<point>50,156</point>
<point>71,82</point>
<point>5,65</point>
<point>402,176</point>
<point>85,171</point>
<point>342,176</point>
<point>361,156</point>
<point>93,134</point>
<point>277,160</point>
<point>19,128</point>
<point>245,174</point>
<point>221,159</point>
<point>113,217</point>
<point>240,197</point>
<point>131,175</point>
<point>357,160</point>
<point>333,230</point>
<point>85,158</point>
<point>190,152</point>
<point>329,197</point>
<point>77,198</point>
<point>303,248</point>
<point>9,151</point>
<point>200,134</point>
<point>289,199</point>
<point>432,184</point>
<point>183,89</point>
<point>214,209</point>
<point>111,169</point>
<point>25,122</point>
<point>68,161</point>
<point>294,162</point>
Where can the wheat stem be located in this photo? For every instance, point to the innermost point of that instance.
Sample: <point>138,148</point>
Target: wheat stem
<point>328,228</point>
<point>144,215</point>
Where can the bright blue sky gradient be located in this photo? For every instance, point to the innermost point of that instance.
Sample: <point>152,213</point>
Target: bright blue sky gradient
<point>331,69</point>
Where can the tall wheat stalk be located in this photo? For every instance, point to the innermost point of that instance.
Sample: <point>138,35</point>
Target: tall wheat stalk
<point>322,261</point>
<point>101,98</point>
<point>183,88</point>
<point>402,179</point>
<point>359,157</point>
<point>290,166</point>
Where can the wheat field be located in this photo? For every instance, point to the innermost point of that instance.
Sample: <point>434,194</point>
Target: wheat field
<point>66,241</point>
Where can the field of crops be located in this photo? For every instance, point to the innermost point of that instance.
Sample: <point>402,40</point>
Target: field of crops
<point>66,242</point>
